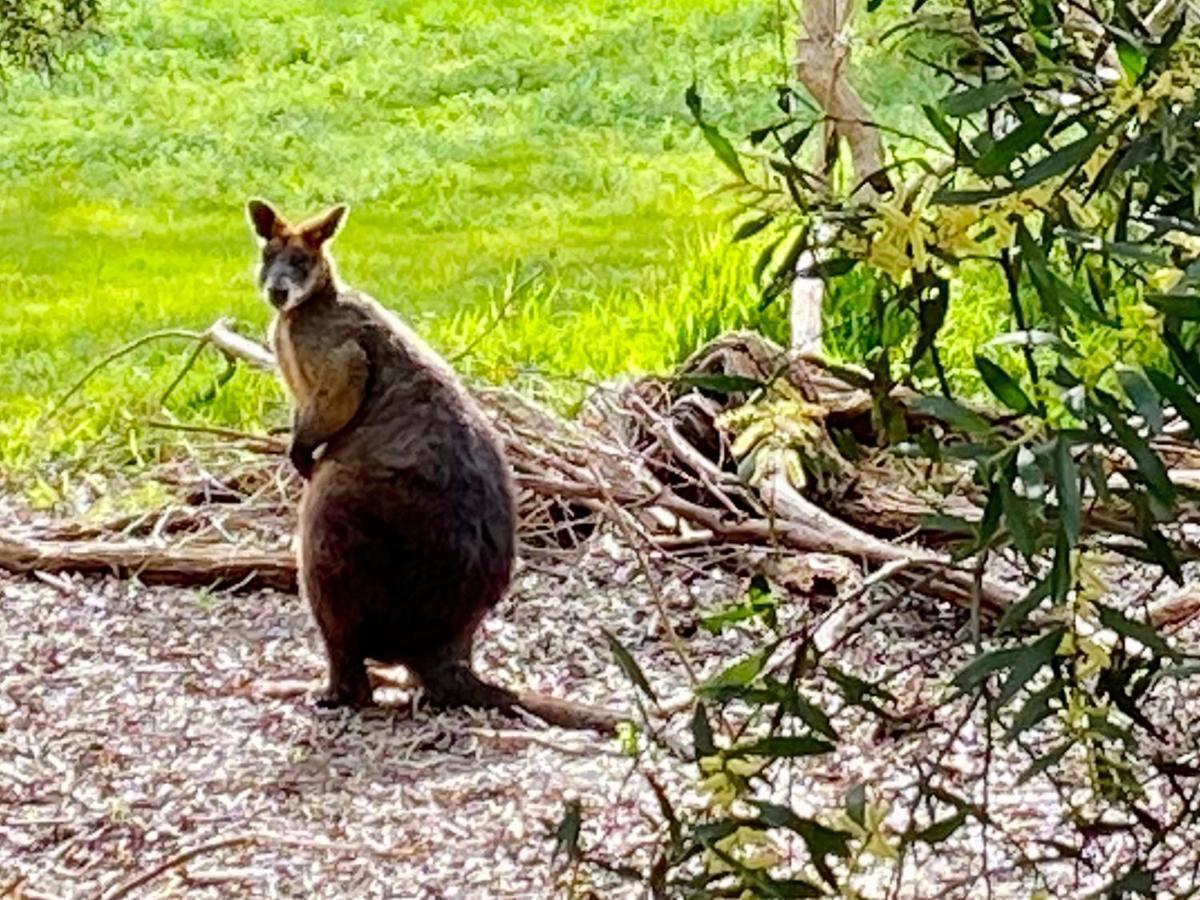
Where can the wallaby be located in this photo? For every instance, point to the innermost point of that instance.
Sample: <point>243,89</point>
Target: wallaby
<point>407,521</point>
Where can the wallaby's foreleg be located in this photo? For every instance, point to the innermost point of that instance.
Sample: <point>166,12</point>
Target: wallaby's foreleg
<point>335,399</point>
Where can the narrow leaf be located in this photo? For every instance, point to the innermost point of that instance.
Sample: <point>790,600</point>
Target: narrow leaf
<point>566,836</point>
<point>1003,385</point>
<point>784,747</point>
<point>1142,395</point>
<point>628,664</point>
<point>1066,486</point>
<point>1181,306</point>
<point>954,414</point>
<point>1141,632</point>
<point>998,159</point>
<point>977,99</point>
<point>702,736</point>
<point>1063,160</point>
<point>1028,663</point>
<point>720,383</point>
<point>940,830</point>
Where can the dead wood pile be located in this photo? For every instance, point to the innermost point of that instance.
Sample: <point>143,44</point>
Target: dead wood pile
<point>652,457</point>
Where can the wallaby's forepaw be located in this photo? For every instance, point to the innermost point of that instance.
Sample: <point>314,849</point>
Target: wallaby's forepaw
<point>302,458</point>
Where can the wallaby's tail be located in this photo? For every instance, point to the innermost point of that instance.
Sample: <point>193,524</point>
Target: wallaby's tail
<point>456,685</point>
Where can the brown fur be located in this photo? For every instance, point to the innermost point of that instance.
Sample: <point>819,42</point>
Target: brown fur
<point>407,523</point>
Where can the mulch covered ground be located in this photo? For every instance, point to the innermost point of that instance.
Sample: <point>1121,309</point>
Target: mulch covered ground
<point>139,725</point>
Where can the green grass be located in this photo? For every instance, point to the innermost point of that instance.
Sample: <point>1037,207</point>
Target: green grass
<point>473,140</point>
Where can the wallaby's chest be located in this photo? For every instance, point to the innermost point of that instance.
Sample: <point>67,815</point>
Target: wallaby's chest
<point>290,361</point>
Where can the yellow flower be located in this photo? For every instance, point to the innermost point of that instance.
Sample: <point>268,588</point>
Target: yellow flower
<point>1095,657</point>
<point>1189,242</point>
<point>720,789</point>
<point>754,849</point>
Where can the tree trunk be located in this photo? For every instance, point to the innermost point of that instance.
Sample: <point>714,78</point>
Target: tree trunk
<point>822,61</point>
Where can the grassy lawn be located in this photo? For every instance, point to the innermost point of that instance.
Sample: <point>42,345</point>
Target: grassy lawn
<point>478,143</point>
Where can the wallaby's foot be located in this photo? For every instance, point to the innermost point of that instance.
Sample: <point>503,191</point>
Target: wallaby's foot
<point>331,698</point>
<point>452,684</point>
<point>348,686</point>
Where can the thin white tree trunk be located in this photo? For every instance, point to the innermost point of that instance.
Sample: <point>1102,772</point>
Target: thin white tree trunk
<point>822,60</point>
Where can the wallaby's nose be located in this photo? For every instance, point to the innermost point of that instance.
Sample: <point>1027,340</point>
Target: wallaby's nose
<point>277,295</point>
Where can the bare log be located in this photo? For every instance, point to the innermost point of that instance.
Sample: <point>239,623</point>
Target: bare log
<point>210,564</point>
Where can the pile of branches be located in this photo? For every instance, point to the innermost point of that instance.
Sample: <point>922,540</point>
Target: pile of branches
<point>656,458</point>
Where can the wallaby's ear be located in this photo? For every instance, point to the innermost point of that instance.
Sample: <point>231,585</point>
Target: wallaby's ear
<point>322,228</point>
<point>263,219</point>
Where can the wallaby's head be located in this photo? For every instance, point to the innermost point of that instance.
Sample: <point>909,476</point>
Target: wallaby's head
<point>295,264</point>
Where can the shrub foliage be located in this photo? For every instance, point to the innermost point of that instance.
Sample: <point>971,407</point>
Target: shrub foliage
<point>1063,154</point>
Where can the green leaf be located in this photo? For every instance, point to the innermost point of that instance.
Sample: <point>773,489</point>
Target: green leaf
<point>858,692</point>
<point>998,159</point>
<point>692,97</point>
<point>1017,515</point>
<point>931,314</point>
<point>719,383</point>
<point>1181,306</point>
<point>821,841</point>
<point>566,836</point>
<point>942,829</point>
<point>1060,579</point>
<point>1029,662</point>
<point>1178,396</point>
<point>811,715</point>
<point>954,414</point>
<point>1184,360</point>
<point>1149,466</point>
<point>1133,59</point>
<point>947,197</point>
<point>712,134</point>
<point>1063,160</point>
<point>723,149</point>
<point>628,664</point>
<point>752,227</point>
<point>674,828</point>
<point>788,888</point>
<point>1036,708</point>
<point>1142,395</point>
<point>1003,385</point>
<point>973,673</point>
<point>1054,291</point>
<point>787,746</point>
<point>1066,486</point>
<point>1014,617</point>
<point>1137,881</point>
<point>702,736</point>
<point>1141,632</point>
<point>976,99</point>
<point>716,623</point>
<point>1046,761</point>
<point>736,677</point>
<point>942,127</point>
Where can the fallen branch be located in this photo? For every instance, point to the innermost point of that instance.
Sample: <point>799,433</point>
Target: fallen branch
<point>210,564</point>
